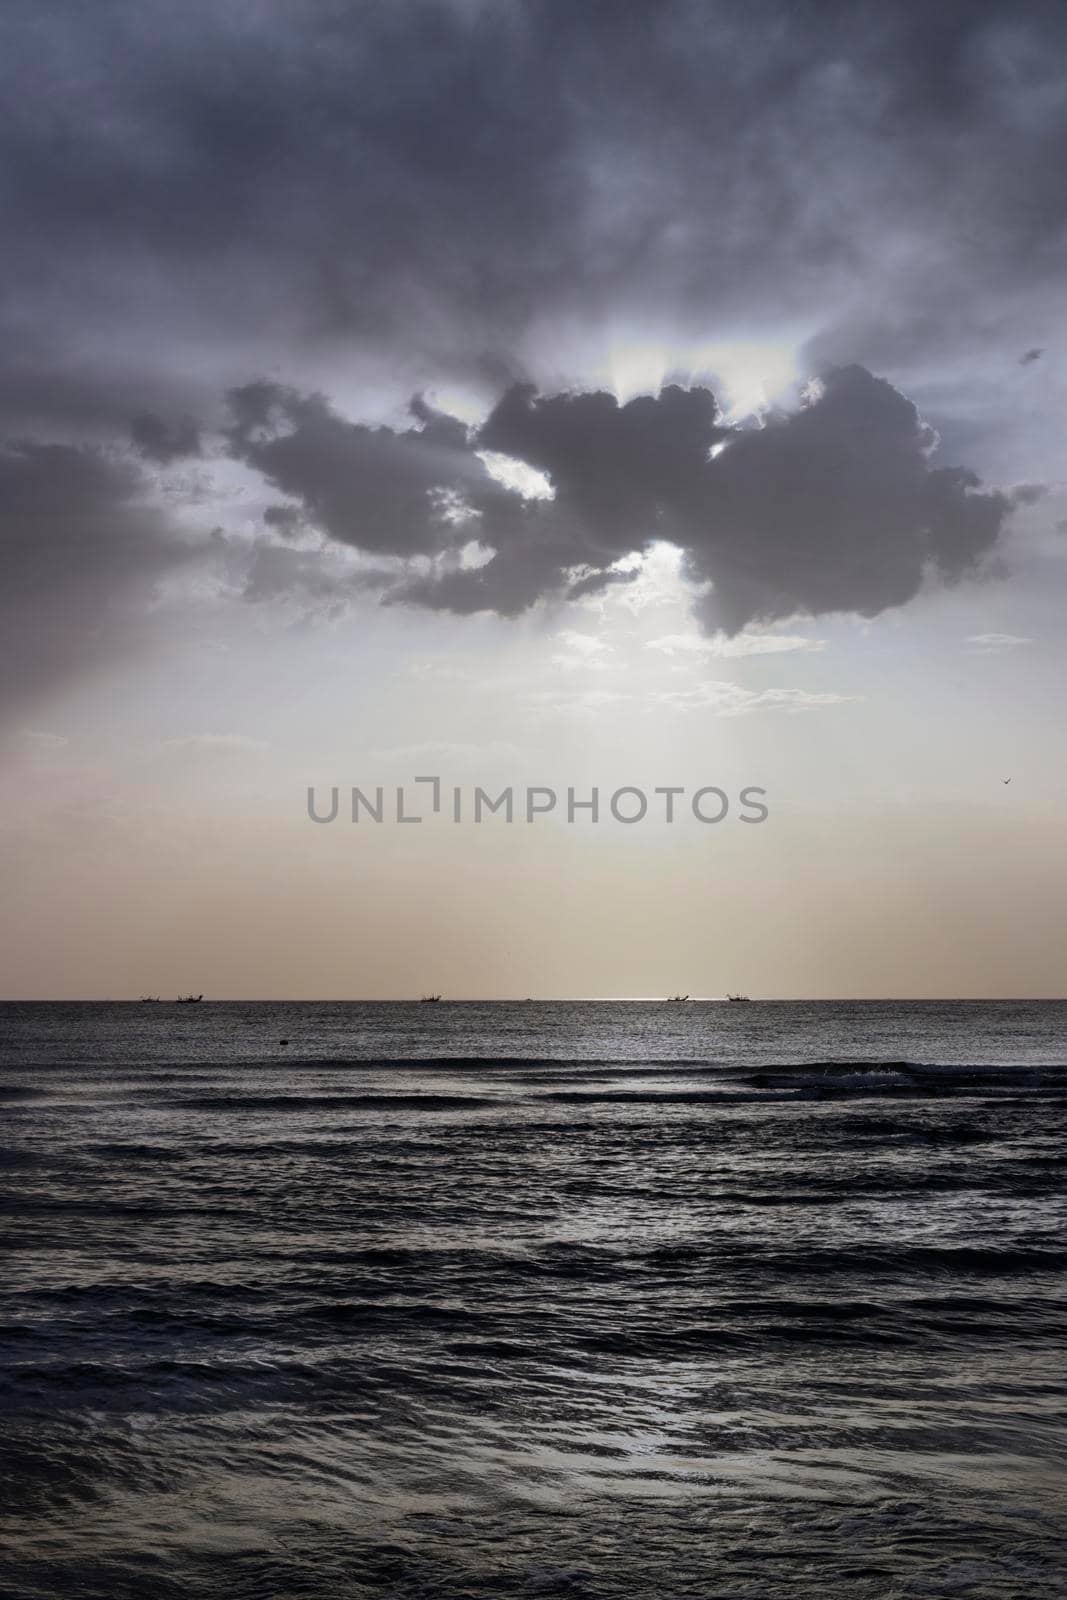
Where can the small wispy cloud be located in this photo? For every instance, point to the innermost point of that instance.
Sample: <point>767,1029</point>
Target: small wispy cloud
<point>38,740</point>
<point>742,644</point>
<point>719,697</point>
<point>516,475</point>
<point>995,643</point>
<point>236,742</point>
<point>581,650</point>
<point>726,699</point>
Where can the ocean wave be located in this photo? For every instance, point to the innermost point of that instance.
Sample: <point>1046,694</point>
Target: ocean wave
<point>334,1102</point>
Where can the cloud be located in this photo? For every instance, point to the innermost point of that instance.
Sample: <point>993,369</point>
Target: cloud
<point>444,182</point>
<point>39,740</point>
<point>831,506</point>
<point>733,700</point>
<point>1027,494</point>
<point>224,743</point>
<point>596,581</point>
<point>417,492</point>
<point>81,550</point>
<point>836,507</point>
<point>366,486</point>
<point>271,572</point>
<point>581,652</point>
<point>471,197</point>
<point>995,643</point>
<point>288,520</point>
<point>158,440</point>
<point>742,644</point>
<point>719,697</point>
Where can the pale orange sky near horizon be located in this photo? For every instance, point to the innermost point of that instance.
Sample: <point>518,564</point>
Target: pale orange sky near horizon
<point>152,846</point>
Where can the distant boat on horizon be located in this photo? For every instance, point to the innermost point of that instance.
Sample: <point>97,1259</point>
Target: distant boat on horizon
<point>737,997</point>
<point>188,999</point>
<point>429,999</point>
<point>676,999</point>
<point>150,1000</point>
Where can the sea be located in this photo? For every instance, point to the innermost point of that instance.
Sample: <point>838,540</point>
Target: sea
<point>598,1300</point>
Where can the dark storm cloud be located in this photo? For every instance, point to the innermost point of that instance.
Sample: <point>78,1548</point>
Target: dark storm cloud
<point>626,471</point>
<point>288,520</point>
<point>365,486</point>
<point>162,441</point>
<point>597,582</point>
<point>441,178</point>
<point>834,506</point>
<point>80,552</point>
<point>420,492</point>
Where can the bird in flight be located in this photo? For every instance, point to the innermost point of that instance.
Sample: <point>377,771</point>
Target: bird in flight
<point>1005,780</point>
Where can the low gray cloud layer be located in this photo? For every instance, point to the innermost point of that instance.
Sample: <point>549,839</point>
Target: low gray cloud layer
<point>475,193</point>
<point>162,441</point>
<point>833,506</point>
<point>81,550</point>
<point>454,182</point>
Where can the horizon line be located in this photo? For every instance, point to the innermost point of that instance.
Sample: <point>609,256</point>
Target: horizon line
<point>650,999</point>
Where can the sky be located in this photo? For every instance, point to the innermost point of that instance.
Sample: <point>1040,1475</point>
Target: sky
<point>534,395</point>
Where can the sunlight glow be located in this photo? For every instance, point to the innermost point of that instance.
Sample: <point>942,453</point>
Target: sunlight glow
<point>517,476</point>
<point>747,376</point>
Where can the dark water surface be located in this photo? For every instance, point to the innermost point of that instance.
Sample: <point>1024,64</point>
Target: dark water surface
<point>588,1300</point>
